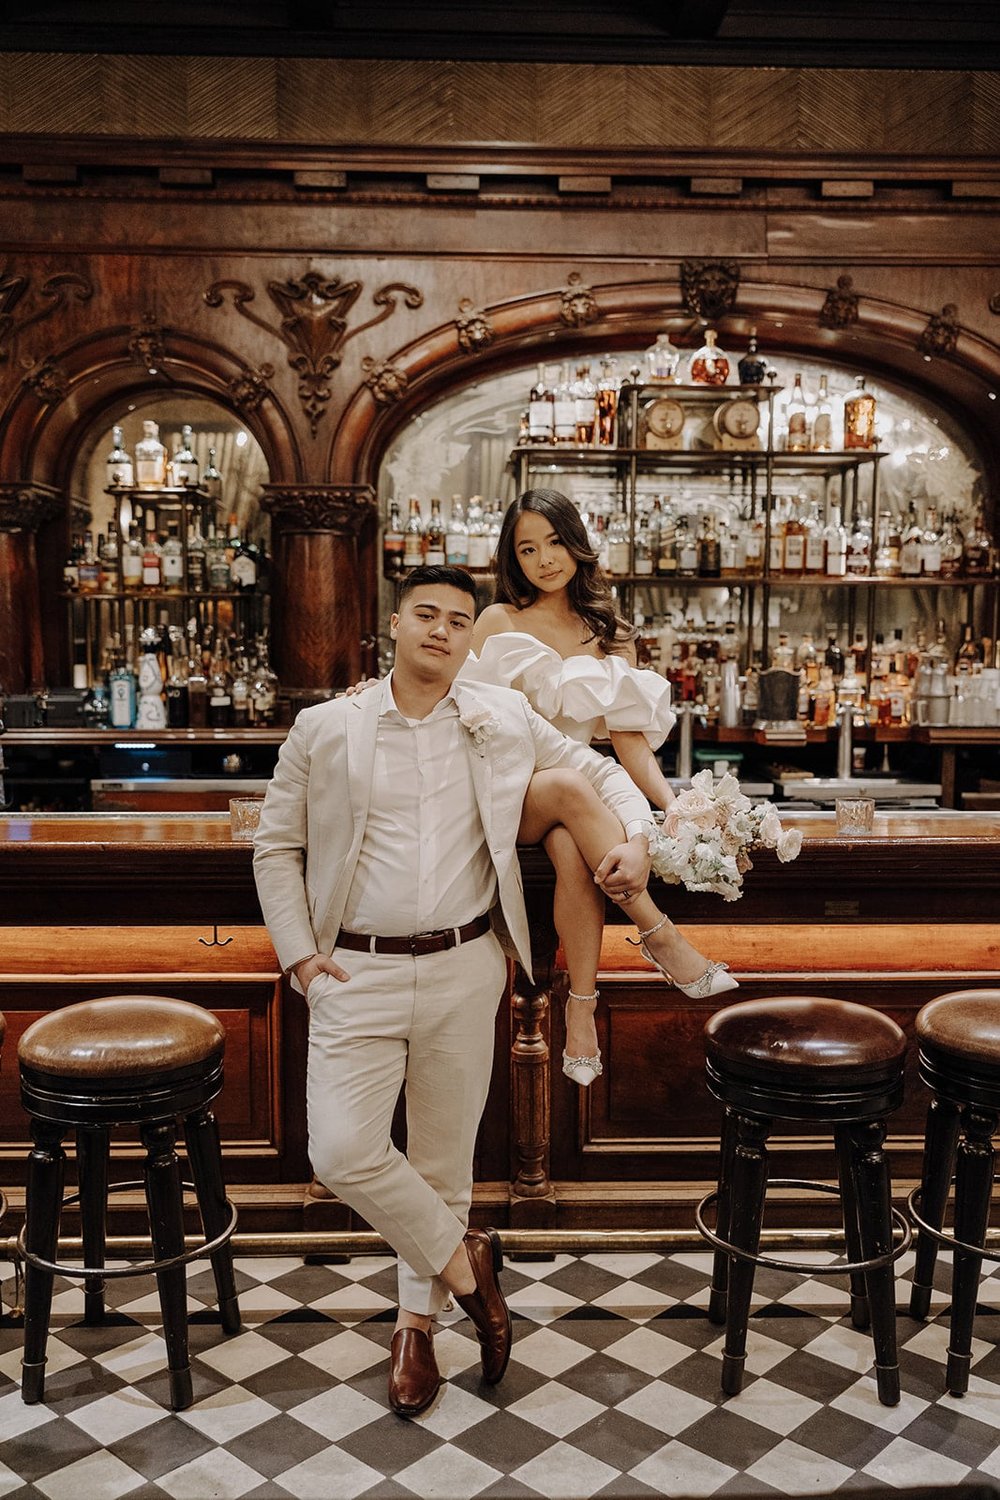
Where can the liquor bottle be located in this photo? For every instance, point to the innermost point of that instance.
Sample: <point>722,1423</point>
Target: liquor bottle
<point>930,546</point>
<point>240,690</point>
<point>392,544</point>
<point>815,557</point>
<point>654,521</point>
<point>216,561</point>
<point>642,564</point>
<point>709,548</point>
<point>666,552</point>
<point>618,544</point>
<point>794,551</point>
<point>197,564</point>
<point>752,367</point>
<point>563,410</point>
<point>584,405</point>
<point>107,553</point>
<point>197,681</point>
<point>211,480</point>
<point>836,545</point>
<point>434,552</point>
<point>479,535</point>
<point>150,458</point>
<point>71,567</point>
<point>911,552</point>
<point>807,660</point>
<point>859,650</point>
<point>264,688</point>
<point>89,567</point>
<point>220,697</point>
<point>754,565</point>
<point>887,546</point>
<point>784,655</point>
<point>859,546</point>
<point>859,417</point>
<point>709,366</point>
<point>822,432</point>
<point>119,464</point>
<point>494,525</point>
<point>822,699</point>
<point>184,464</point>
<point>132,551</point>
<point>776,547</point>
<point>541,411</point>
<point>798,429</point>
<point>121,685</point>
<point>730,538</point>
<point>178,711</point>
<point>850,690</point>
<point>687,549</point>
<point>243,565</point>
<point>523,429</point>
<point>172,561</point>
<point>607,403</point>
<point>151,710</point>
<point>977,548</point>
<point>969,657</point>
<point>152,576</point>
<point>662,359</point>
<point>456,537</point>
<point>833,657</point>
<point>952,547</point>
<point>413,537</point>
<point>96,705</point>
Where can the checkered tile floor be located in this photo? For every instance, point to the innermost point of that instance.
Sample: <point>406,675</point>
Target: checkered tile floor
<point>613,1390</point>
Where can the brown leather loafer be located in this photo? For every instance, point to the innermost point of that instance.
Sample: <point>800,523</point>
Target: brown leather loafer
<point>486,1306</point>
<point>414,1378</point>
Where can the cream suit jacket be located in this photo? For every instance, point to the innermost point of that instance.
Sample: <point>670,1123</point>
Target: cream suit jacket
<point>313,820</point>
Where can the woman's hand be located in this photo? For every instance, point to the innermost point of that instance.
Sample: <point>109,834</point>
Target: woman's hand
<point>624,870</point>
<point>358,687</point>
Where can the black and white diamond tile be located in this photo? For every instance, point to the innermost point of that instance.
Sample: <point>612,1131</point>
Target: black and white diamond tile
<point>612,1392</point>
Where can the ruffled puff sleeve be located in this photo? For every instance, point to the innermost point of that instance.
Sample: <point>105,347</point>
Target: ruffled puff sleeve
<point>587,697</point>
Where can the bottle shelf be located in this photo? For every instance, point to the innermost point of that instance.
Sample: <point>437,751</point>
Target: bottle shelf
<point>161,596</point>
<point>680,460</point>
<point>775,580</point>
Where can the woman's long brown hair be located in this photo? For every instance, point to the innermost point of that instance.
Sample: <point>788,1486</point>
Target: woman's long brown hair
<point>588,590</point>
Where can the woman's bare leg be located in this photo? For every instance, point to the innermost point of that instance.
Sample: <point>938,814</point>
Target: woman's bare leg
<point>578,909</point>
<point>565,797</point>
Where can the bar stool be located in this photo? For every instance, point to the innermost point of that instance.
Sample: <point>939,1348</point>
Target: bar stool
<point>817,1061</point>
<point>127,1059</point>
<point>959,1060</point>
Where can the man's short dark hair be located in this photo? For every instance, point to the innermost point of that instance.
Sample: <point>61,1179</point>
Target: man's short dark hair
<point>454,578</point>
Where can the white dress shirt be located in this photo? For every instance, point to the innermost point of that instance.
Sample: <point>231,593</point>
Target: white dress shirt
<point>424,863</point>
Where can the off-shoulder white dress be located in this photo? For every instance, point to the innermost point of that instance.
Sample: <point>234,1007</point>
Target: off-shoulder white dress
<point>586,697</point>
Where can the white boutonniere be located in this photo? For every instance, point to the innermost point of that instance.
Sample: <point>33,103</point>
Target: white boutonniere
<point>481,725</point>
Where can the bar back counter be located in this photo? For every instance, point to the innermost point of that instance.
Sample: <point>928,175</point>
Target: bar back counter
<point>98,904</point>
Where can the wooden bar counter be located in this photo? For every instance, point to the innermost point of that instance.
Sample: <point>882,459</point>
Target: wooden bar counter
<point>94,904</point>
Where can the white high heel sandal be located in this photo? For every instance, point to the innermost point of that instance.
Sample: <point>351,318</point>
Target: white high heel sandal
<point>715,980</point>
<point>583,1070</point>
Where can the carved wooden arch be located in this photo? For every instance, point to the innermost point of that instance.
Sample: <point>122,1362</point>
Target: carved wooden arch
<point>884,340</point>
<point>40,437</point>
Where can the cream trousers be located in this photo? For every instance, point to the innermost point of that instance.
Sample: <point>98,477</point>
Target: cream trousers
<point>428,1021</point>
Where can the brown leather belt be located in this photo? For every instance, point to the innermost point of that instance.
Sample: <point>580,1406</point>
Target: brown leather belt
<point>419,942</point>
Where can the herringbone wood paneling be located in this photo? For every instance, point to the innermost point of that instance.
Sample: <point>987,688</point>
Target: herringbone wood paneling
<point>985,112</point>
<point>147,96</point>
<point>235,98</point>
<point>325,103</point>
<point>56,94</point>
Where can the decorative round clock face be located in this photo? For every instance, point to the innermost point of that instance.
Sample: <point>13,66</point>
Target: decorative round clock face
<point>738,419</point>
<point>664,417</point>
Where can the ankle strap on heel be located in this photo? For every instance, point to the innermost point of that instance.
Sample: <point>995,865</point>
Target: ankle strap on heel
<point>648,932</point>
<point>571,995</point>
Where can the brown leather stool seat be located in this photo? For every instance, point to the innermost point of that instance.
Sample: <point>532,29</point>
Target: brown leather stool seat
<point>818,1061</point>
<point>959,1038</point>
<point>146,1060</point>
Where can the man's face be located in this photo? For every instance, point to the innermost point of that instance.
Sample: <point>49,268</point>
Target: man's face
<point>433,631</point>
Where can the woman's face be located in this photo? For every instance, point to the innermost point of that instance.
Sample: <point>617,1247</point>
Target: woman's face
<point>545,561</point>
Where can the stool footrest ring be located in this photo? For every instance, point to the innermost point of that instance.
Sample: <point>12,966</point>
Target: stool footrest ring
<point>142,1268</point>
<point>942,1235</point>
<point>801,1268</point>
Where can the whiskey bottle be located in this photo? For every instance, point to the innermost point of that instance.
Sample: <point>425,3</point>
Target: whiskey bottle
<point>211,480</point>
<point>413,537</point>
<point>930,546</point>
<point>541,411</point>
<point>184,465</point>
<point>152,576</point>
<point>754,565</point>
<point>172,561</point>
<point>132,553</point>
<point>709,549</point>
<point>197,566</point>
<point>89,567</point>
<point>243,565</point>
<point>456,537</point>
<point>859,417</point>
<point>798,430</point>
<point>392,544</point>
<point>836,545</point>
<point>859,546</point>
<point>563,411</point>
<point>607,403</point>
<point>822,432</point>
<point>952,547</point>
<point>912,545</point>
<point>794,550</point>
<point>434,549</point>
<point>584,405</point>
<point>150,458</point>
<point>709,366</point>
<point>977,548</point>
<point>107,553</point>
<point>240,690</point>
<point>815,555</point>
<point>119,464</point>
<point>264,688</point>
<point>666,552</point>
<point>752,367</point>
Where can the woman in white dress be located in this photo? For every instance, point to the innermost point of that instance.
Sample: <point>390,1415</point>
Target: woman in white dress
<point>555,635</point>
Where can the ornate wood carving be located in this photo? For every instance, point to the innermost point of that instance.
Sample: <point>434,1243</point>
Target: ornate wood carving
<point>941,334</point>
<point>474,329</point>
<point>530,1084</point>
<point>314,318</point>
<point>840,309</point>
<point>342,509</point>
<point>386,381</point>
<point>579,305</point>
<point>25,506</point>
<point>994,304</point>
<point>709,287</point>
<point>147,345</point>
<point>52,294</point>
<point>250,386</point>
<point>48,380</point>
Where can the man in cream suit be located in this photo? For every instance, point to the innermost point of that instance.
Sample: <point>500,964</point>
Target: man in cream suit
<point>384,858</point>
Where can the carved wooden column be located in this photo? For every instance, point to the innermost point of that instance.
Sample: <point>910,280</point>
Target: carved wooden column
<point>23,508</point>
<point>532,1199</point>
<point>317,585</point>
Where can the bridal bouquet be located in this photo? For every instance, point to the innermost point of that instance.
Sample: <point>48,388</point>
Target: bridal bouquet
<point>708,832</point>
